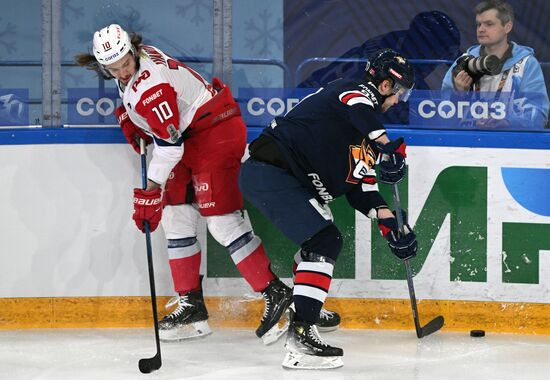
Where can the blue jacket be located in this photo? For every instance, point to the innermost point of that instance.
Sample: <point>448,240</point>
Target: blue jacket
<point>525,84</point>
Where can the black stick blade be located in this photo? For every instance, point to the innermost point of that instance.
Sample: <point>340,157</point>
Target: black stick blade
<point>432,326</point>
<point>150,364</point>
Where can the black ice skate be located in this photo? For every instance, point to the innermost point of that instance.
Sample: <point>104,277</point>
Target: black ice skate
<point>328,320</point>
<point>188,320</point>
<point>278,298</point>
<point>307,350</point>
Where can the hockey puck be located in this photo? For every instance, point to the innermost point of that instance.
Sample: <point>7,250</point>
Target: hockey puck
<point>477,333</point>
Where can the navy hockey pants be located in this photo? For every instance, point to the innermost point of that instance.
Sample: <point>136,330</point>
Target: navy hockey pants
<point>279,196</point>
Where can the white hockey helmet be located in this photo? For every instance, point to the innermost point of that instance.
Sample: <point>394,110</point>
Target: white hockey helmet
<point>111,44</point>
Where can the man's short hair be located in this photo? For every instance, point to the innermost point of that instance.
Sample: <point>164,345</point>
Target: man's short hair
<point>505,12</point>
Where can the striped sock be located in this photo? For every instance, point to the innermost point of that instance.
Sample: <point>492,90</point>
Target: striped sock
<point>310,289</point>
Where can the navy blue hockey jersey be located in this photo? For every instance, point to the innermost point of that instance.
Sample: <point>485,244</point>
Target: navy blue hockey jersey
<point>327,140</point>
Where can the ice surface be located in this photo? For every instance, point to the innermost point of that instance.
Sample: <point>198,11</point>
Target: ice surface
<point>104,354</point>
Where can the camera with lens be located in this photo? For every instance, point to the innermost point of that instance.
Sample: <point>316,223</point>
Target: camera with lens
<point>476,67</point>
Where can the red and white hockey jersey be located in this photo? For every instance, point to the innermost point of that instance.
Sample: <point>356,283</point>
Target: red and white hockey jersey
<point>162,98</point>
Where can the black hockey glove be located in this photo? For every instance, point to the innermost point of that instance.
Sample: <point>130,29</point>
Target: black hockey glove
<point>392,166</point>
<point>402,246</point>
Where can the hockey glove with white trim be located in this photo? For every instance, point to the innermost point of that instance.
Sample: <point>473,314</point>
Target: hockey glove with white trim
<point>147,207</point>
<point>402,246</point>
<point>392,166</point>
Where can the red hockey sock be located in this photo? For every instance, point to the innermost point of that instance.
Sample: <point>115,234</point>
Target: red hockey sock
<point>253,263</point>
<point>185,263</point>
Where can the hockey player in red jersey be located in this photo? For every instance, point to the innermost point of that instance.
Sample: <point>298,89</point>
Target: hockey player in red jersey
<point>198,138</point>
<point>328,146</point>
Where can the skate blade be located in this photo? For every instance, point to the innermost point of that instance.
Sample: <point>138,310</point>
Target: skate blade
<point>295,360</point>
<point>275,333</point>
<point>190,331</point>
<point>327,329</point>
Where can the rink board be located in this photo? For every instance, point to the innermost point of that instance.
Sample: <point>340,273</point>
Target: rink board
<point>479,205</point>
<point>132,312</point>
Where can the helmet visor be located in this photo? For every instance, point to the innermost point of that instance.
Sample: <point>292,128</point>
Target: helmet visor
<point>403,92</point>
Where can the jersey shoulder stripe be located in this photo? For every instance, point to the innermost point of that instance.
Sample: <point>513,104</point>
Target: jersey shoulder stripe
<point>353,97</point>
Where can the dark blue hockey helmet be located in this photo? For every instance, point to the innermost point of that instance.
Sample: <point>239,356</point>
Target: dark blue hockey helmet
<point>389,64</point>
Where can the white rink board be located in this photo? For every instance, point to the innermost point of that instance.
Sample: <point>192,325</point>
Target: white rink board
<point>67,223</point>
<point>67,228</point>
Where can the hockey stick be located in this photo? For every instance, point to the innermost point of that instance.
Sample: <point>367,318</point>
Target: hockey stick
<point>436,323</point>
<point>148,365</point>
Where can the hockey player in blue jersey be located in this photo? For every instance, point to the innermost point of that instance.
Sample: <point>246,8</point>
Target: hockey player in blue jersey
<point>325,147</point>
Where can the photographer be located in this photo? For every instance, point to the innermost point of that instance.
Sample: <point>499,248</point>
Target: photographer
<point>497,65</point>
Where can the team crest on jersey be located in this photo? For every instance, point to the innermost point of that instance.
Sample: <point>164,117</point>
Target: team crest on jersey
<point>361,164</point>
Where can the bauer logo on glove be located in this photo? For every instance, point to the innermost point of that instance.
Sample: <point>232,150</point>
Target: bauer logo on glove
<point>147,202</point>
<point>147,208</point>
